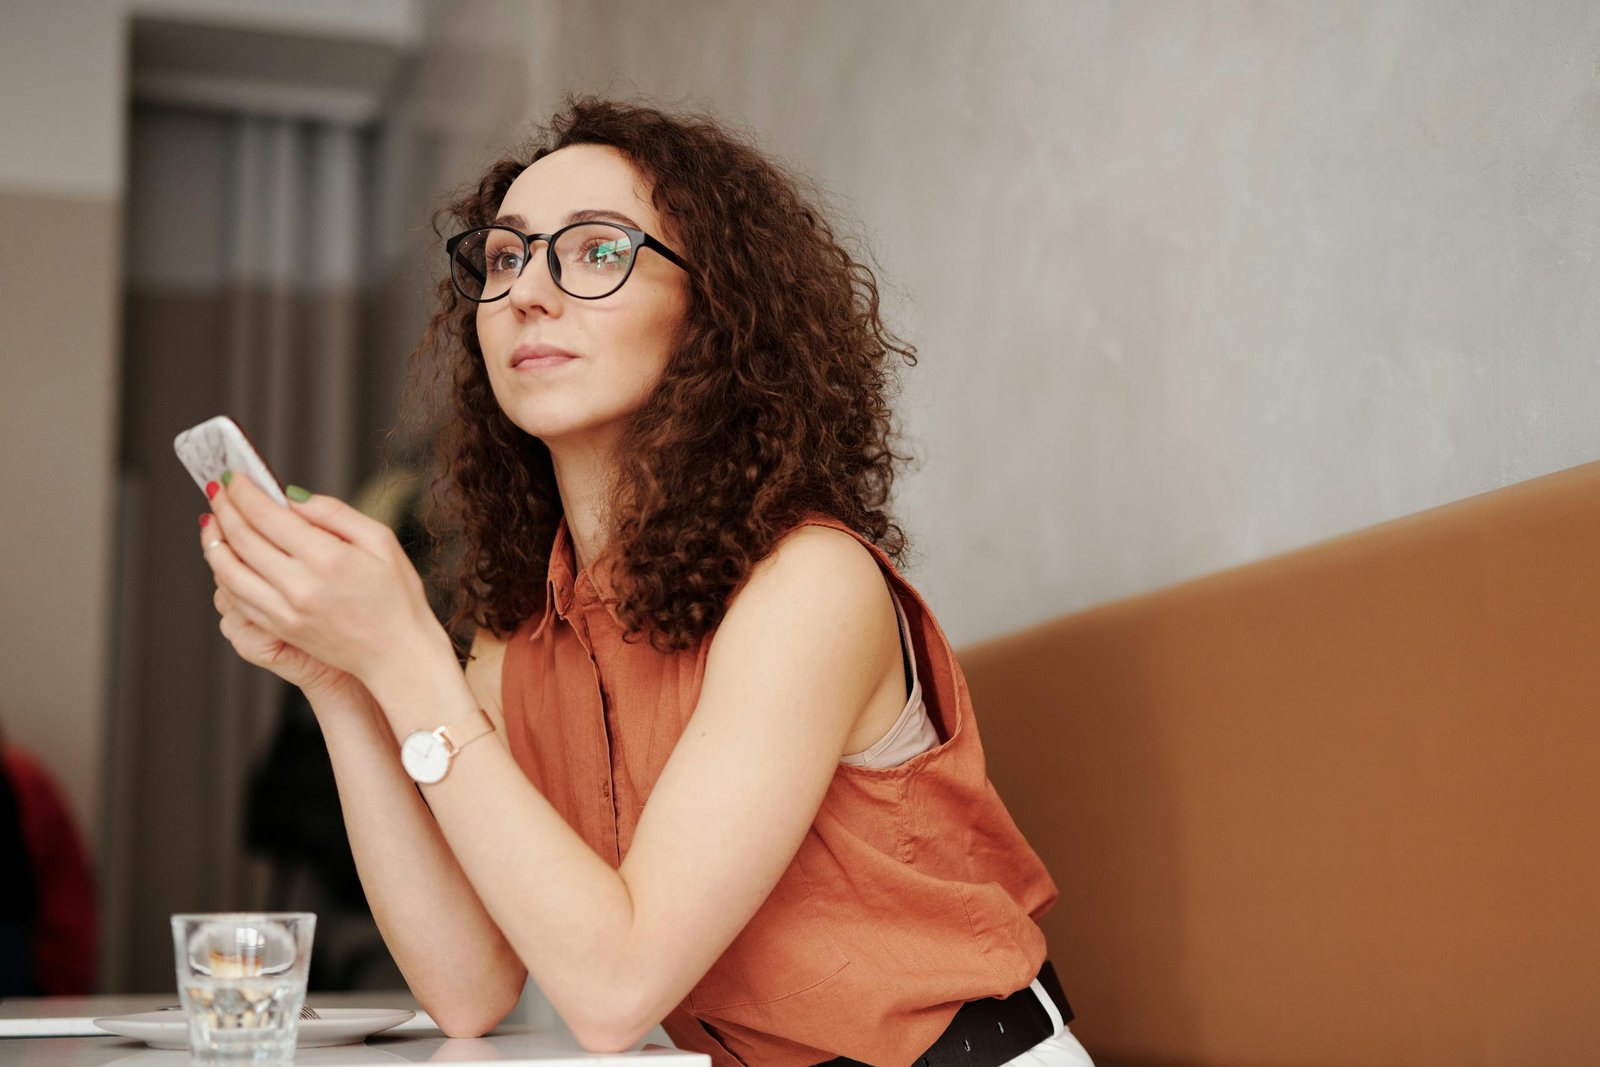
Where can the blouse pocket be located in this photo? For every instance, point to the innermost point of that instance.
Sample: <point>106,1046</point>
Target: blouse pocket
<point>785,949</point>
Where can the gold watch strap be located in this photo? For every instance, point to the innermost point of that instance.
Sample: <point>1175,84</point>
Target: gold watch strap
<point>458,735</point>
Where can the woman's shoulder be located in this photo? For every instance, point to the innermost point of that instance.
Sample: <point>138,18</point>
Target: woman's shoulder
<point>819,546</point>
<point>815,573</point>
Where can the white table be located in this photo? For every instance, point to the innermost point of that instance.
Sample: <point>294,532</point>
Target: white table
<point>414,1042</point>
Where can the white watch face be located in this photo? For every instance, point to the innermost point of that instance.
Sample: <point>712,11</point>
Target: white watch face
<point>424,757</point>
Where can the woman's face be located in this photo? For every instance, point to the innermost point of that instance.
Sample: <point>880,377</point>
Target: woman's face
<point>611,351</point>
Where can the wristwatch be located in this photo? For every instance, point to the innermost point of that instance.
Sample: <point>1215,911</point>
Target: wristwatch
<point>426,754</point>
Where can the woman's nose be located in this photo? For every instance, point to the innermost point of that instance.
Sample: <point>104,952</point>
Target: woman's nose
<point>534,287</point>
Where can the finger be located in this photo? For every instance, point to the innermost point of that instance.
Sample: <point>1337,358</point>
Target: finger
<point>227,605</point>
<point>234,625</point>
<point>257,552</point>
<point>247,591</point>
<point>278,525</point>
<point>210,532</point>
<point>345,522</point>
<point>236,616</point>
<point>246,618</point>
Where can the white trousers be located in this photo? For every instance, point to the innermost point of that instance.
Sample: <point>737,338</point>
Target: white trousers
<point>1061,1049</point>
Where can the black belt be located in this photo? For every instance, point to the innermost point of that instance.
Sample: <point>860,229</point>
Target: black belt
<point>989,1032</point>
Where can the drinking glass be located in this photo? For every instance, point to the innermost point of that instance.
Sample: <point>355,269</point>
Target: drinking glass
<point>242,979</point>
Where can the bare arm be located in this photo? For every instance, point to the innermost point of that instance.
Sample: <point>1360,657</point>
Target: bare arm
<point>456,961</point>
<point>615,950</point>
<point>808,641</point>
<point>458,964</point>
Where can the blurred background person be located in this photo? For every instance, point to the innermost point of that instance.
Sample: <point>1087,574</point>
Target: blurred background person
<point>48,921</point>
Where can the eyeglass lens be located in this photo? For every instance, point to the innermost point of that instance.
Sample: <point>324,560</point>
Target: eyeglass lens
<point>591,260</point>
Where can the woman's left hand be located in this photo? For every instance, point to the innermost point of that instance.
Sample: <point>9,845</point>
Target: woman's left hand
<point>323,577</point>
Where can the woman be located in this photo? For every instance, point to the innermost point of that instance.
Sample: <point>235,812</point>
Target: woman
<point>700,768</point>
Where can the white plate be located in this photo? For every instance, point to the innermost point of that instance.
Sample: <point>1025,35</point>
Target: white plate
<point>338,1026</point>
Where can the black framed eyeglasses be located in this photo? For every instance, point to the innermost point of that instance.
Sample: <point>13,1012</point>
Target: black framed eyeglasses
<point>587,260</point>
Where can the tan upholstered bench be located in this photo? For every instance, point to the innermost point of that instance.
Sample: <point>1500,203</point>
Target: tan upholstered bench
<point>1339,807</point>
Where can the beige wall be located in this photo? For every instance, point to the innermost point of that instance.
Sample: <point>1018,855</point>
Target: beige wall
<point>57,440</point>
<point>1254,274</point>
<point>60,214</point>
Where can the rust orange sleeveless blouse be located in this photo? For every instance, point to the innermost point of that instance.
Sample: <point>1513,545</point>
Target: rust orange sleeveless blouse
<point>912,892</point>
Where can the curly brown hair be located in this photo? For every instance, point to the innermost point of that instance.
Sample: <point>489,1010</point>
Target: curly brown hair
<point>774,404</point>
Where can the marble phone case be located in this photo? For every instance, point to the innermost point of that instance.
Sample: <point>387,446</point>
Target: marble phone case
<point>218,445</point>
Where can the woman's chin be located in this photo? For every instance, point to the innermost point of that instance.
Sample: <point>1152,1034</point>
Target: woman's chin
<point>556,430</point>
<point>543,420</point>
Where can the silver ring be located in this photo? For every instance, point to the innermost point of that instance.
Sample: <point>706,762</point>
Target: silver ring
<point>209,545</point>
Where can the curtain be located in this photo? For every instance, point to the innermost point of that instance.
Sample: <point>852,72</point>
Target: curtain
<point>243,239</point>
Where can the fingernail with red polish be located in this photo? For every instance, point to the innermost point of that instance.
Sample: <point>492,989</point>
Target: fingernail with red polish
<point>212,489</point>
<point>204,519</point>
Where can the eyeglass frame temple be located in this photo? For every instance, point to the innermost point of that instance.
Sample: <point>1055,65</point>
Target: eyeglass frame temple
<point>644,240</point>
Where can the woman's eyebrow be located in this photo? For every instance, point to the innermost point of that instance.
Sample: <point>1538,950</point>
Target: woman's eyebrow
<point>597,214</point>
<point>590,214</point>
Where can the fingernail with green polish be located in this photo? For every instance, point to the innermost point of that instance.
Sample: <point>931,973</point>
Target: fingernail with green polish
<point>227,476</point>
<point>297,494</point>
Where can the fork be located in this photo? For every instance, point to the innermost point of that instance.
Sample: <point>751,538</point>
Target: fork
<point>306,1010</point>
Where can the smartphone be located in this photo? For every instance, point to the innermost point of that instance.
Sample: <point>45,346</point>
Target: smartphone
<point>218,445</point>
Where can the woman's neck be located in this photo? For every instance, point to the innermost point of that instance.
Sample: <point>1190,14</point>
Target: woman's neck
<point>584,478</point>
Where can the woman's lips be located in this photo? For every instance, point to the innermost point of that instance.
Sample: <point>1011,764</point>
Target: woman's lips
<point>539,357</point>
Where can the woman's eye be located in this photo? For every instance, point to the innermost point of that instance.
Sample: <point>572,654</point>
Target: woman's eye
<point>606,253</point>
<point>505,261</point>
